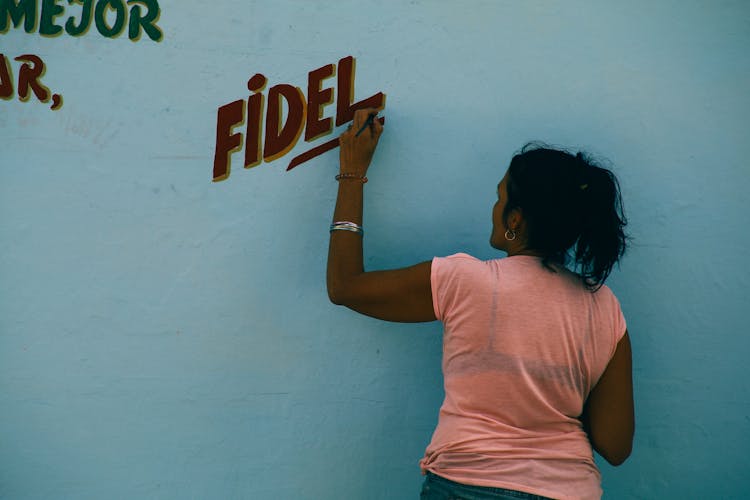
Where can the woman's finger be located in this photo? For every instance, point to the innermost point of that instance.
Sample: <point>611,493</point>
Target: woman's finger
<point>377,126</point>
<point>362,115</point>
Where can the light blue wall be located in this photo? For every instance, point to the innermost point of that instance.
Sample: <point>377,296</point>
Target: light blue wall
<point>166,337</point>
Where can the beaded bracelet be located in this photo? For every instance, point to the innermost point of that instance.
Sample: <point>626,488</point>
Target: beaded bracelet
<point>363,179</point>
<point>346,226</point>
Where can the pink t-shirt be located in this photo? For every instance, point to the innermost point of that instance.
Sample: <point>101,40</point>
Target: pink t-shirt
<point>522,348</point>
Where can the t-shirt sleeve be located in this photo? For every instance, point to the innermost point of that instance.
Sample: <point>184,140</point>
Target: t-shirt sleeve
<point>619,324</point>
<point>447,278</point>
<point>436,274</point>
<point>621,327</point>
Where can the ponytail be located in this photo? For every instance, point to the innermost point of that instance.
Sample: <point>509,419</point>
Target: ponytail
<point>602,241</point>
<point>572,207</point>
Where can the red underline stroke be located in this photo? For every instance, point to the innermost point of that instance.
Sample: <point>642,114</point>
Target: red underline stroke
<point>317,151</point>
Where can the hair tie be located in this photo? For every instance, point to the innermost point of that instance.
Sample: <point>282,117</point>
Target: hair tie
<point>583,169</point>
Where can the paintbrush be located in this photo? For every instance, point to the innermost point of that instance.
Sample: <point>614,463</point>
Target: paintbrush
<point>368,122</point>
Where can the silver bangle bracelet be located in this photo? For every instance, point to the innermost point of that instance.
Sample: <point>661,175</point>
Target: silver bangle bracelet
<point>350,229</point>
<point>346,226</point>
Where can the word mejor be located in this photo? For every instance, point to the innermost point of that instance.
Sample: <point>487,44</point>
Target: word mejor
<point>109,17</point>
<point>282,133</point>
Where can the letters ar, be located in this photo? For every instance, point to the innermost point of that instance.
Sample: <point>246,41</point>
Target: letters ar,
<point>130,12</point>
<point>29,79</point>
<point>281,135</point>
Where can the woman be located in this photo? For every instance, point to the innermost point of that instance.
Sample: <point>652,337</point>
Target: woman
<point>536,358</point>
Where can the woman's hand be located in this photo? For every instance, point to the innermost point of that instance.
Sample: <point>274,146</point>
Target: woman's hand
<point>356,150</point>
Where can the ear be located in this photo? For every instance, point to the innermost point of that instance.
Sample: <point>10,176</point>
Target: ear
<point>515,219</point>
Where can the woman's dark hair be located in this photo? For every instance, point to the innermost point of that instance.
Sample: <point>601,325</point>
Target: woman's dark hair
<point>568,200</point>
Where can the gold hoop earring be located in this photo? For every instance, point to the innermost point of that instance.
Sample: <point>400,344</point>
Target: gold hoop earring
<point>510,235</point>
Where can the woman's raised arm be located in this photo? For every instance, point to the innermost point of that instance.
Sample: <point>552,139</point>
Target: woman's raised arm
<point>395,295</point>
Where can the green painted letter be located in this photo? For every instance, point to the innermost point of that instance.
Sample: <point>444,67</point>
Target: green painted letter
<point>100,17</point>
<point>147,22</point>
<point>70,26</point>
<point>15,11</point>
<point>50,10</point>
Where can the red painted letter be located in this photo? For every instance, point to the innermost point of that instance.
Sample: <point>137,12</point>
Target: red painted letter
<point>317,99</point>
<point>280,140</point>
<point>254,120</point>
<point>229,116</point>
<point>344,107</point>
<point>6,78</point>
<point>28,77</point>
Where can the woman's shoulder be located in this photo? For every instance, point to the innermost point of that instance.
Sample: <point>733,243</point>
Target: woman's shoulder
<point>463,260</point>
<point>606,295</point>
<point>458,266</point>
<point>460,256</point>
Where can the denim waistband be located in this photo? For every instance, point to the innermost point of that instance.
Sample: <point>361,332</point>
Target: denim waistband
<point>489,492</point>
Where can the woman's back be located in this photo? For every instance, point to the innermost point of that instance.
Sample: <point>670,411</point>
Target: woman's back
<point>534,373</point>
<point>523,346</point>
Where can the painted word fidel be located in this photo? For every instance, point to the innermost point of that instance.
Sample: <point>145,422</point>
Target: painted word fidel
<point>109,17</point>
<point>281,135</point>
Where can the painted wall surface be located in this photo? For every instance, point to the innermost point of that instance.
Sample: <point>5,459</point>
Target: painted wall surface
<point>165,336</point>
